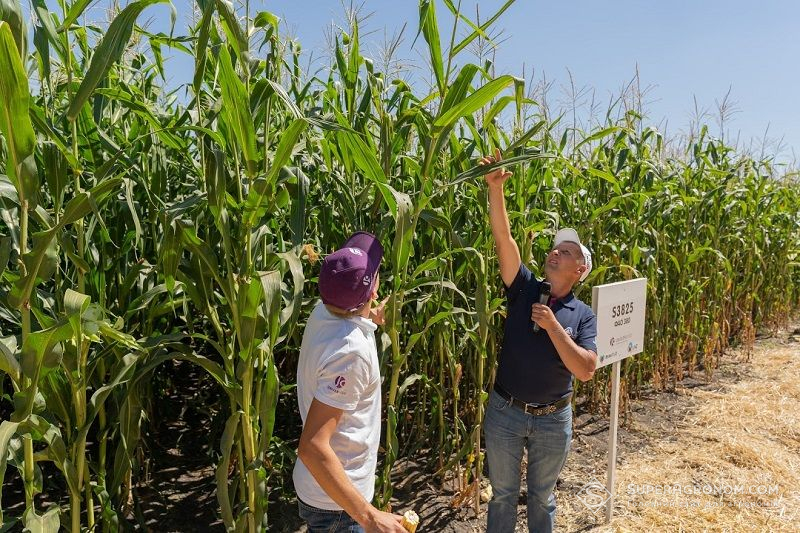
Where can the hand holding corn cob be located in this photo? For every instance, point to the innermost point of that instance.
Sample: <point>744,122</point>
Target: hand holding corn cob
<point>410,521</point>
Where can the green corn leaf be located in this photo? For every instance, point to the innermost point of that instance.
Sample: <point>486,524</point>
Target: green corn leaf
<point>364,158</point>
<point>481,31</point>
<point>168,259</point>
<point>5,253</point>
<point>261,193</point>
<point>49,522</point>
<point>265,18</point>
<point>75,11</point>
<point>497,108</point>
<point>201,46</point>
<point>270,290</point>
<point>216,174</point>
<point>598,135</point>
<point>473,102</point>
<point>7,430</point>
<point>8,359</point>
<point>44,128</point>
<point>251,326</point>
<point>481,170</point>
<point>460,87</point>
<point>410,380</point>
<point>354,61</point>
<point>235,32</point>
<point>75,305</point>
<point>602,174</point>
<point>298,216</point>
<point>15,122</point>
<point>108,52</point>
<point>40,264</point>
<point>206,257</point>
<point>36,351</point>
<point>40,261</point>
<point>56,450</point>
<point>122,374</point>
<point>404,235</point>
<point>57,173</point>
<point>525,137</point>
<point>429,27</point>
<point>236,110</point>
<point>291,311</point>
<point>48,20</point>
<point>11,14</point>
<point>226,445</point>
<point>269,403</point>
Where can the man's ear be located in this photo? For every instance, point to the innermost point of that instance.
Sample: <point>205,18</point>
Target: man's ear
<point>374,295</point>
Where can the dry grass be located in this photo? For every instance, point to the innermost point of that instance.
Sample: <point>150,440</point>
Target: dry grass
<point>746,434</point>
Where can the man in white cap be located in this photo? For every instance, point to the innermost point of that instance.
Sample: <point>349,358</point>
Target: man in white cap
<point>529,406</point>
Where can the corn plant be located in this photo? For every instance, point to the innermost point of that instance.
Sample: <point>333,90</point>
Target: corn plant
<point>140,228</point>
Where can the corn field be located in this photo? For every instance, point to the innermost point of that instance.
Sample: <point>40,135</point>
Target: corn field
<point>140,229</point>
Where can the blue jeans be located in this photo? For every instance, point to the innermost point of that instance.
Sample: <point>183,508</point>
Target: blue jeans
<point>508,431</point>
<point>324,521</point>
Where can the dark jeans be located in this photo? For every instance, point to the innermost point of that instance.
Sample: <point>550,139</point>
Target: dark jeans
<point>324,521</point>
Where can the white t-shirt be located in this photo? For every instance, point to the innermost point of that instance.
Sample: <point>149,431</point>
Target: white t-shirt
<point>339,367</point>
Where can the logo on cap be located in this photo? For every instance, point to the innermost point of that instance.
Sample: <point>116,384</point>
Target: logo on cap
<point>356,251</point>
<point>339,382</point>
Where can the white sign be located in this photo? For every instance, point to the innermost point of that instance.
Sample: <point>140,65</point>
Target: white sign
<point>620,319</point>
<point>620,333</point>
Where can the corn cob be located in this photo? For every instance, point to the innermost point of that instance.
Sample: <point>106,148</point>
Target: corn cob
<point>410,521</point>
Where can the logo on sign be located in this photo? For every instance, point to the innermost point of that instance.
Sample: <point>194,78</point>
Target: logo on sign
<point>632,346</point>
<point>611,342</point>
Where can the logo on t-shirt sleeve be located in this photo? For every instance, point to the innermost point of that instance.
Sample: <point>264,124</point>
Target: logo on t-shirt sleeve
<point>338,385</point>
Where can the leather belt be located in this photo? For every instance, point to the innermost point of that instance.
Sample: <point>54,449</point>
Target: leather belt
<point>533,409</point>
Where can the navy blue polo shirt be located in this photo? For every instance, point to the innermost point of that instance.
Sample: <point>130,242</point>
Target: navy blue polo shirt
<point>529,367</point>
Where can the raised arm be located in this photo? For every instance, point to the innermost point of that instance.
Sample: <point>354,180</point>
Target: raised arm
<point>507,249</point>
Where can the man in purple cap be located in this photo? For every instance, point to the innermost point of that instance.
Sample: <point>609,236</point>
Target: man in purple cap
<point>339,393</point>
<point>544,346</point>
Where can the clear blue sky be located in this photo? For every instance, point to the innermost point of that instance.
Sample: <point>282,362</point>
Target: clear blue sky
<point>683,49</point>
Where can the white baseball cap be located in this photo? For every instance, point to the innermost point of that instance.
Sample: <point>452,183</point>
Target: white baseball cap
<point>570,235</point>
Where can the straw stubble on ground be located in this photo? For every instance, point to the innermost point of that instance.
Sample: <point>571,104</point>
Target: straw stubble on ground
<point>736,436</point>
<point>737,432</point>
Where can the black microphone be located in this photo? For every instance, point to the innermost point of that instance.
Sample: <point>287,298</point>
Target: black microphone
<point>544,299</point>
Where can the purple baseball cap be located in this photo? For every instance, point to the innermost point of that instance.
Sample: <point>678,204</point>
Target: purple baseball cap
<point>348,275</point>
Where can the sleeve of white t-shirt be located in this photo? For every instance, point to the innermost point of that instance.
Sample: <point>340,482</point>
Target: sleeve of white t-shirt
<point>342,380</point>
